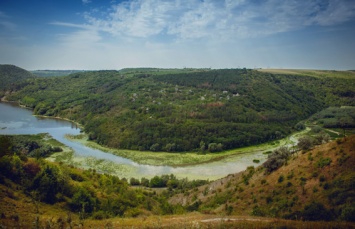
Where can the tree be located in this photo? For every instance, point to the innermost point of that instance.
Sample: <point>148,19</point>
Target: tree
<point>155,147</point>
<point>5,145</point>
<point>157,182</point>
<point>305,143</point>
<point>214,147</point>
<point>48,183</point>
<point>133,181</point>
<point>145,182</point>
<point>83,201</point>
<point>202,146</point>
<point>277,159</point>
<point>316,212</point>
<point>321,138</point>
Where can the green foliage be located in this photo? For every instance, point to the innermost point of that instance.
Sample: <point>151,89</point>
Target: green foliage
<point>85,192</point>
<point>348,213</point>
<point>83,201</point>
<point>276,159</point>
<point>51,73</point>
<point>281,179</point>
<point>322,162</point>
<point>257,211</point>
<point>248,174</point>
<point>176,110</point>
<point>305,143</point>
<point>169,181</point>
<point>49,182</point>
<point>335,117</point>
<point>5,145</point>
<point>12,77</point>
<point>316,212</point>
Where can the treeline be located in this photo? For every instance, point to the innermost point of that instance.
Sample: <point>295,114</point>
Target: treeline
<point>335,117</point>
<point>184,110</point>
<point>168,181</point>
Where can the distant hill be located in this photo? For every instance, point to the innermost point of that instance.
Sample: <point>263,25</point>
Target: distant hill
<point>179,110</point>
<point>50,73</point>
<point>317,184</point>
<point>11,75</point>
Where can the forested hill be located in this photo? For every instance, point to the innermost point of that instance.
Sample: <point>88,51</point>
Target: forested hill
<point>184,109</point>
<point>10,74</point>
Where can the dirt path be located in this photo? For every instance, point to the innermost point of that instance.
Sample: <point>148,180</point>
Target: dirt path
<point>234,219</point>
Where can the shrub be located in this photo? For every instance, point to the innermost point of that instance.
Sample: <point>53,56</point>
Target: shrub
<point>257,211</point>
<point>214,147</point>
<point>348,213</point>
<point>100,215</point>
<point>277,159</point>
<point>322,162</point>
<point>281,179</point>
<point>133,181</point>
<point>316,212</point>
<point>82,201</point>
<point>305,143</point>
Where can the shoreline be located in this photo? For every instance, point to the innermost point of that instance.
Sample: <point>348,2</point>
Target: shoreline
<point>179,160</point>
<point>16,103</point>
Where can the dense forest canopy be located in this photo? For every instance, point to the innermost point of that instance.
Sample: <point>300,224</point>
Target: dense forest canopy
<point>184,109</point>
<point>11,75</point>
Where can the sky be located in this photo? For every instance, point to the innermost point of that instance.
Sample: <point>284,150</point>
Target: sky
<point>112,34</point>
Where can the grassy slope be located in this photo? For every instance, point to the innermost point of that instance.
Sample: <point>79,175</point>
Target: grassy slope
<point>20,211</point>
<point>330,185</point>
<point>315,73</point>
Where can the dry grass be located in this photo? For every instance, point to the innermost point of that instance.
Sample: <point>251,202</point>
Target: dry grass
<point>272,197</point>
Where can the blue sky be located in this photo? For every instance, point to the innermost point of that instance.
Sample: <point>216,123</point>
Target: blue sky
<point>100,34</point>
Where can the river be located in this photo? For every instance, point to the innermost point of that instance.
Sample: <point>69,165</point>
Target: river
<point>17,120</point>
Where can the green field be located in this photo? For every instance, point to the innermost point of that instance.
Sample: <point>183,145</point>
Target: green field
<point>314,73</point>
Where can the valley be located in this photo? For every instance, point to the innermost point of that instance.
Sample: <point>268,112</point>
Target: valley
<point>195,148</point>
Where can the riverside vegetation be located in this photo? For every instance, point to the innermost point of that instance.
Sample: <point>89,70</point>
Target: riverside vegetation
<point>316,184</point>
<point>176,110</point>
<point>153,109</point>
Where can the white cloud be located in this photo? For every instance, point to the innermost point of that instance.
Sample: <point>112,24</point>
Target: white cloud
<point>189,19</point>
<point>186,33</point>
<point>86,1</point>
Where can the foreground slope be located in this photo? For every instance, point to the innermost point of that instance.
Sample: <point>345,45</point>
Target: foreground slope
<point>184,110</point>
<point>314,185</point>
<point>318,184</point>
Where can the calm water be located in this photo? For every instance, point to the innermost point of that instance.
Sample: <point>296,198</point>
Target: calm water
<point>16,120</point>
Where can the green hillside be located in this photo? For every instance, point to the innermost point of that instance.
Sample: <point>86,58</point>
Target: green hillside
<point>316,184</point>
<point>10,76</point>
<point>50,73</point>
<point>312,185</point>
<point>178,110</point>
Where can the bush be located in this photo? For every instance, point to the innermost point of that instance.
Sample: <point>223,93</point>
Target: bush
<point>322,162</point>
<point>316,212</point>
<point>257,211</point>
<point>134,182</point>
<point>82,201</point>
<point>277,159</point>
<point>305,143</point>
<point>281,179</point>
<point>214,147</point>
<point>100,215</point>
<point>348,213</point>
